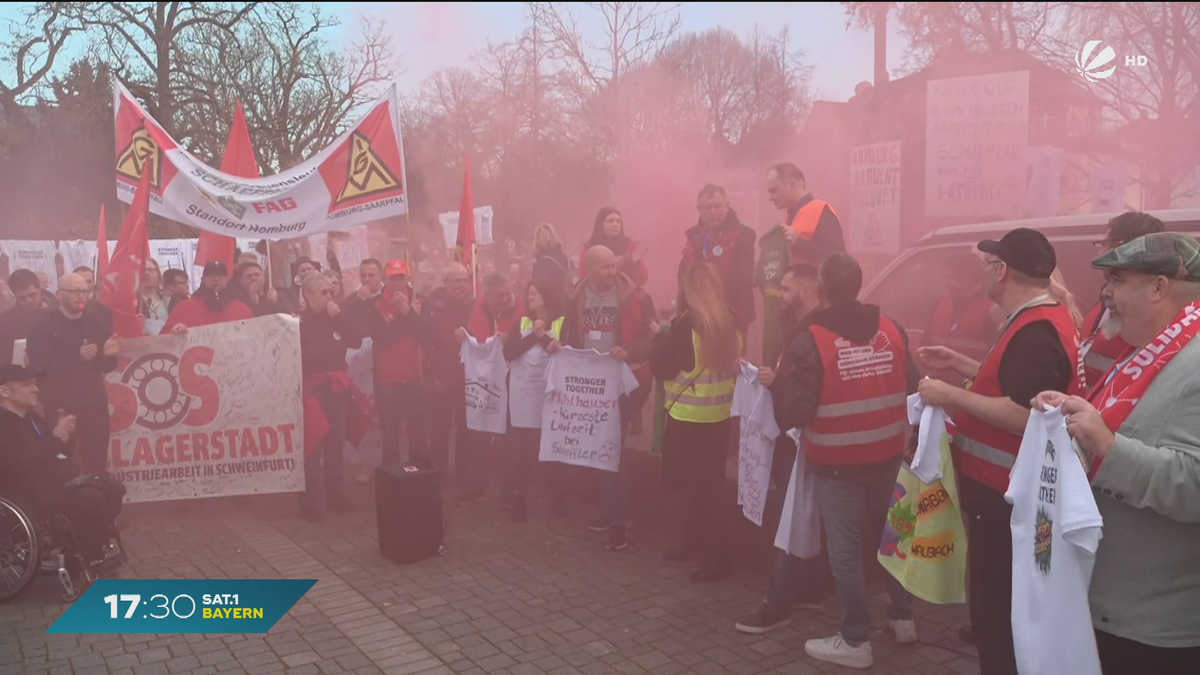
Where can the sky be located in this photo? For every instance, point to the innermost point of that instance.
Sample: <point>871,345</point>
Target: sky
<point>433,35</point>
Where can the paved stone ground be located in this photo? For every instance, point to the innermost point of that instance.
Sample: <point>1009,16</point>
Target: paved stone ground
<point>509,598</point>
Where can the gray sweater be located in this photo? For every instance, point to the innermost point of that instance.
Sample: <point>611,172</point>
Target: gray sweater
<point>1146,583</point>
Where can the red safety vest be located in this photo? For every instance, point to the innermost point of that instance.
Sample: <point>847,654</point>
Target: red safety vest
<point>805,224</point>
<point>981,451</point>
<point>1103,353</point>
<point>969,331</point>
<point>861,417</point>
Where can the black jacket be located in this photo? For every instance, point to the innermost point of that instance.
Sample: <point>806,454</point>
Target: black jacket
<point>739,285</point>
<point>797,387</point>
<point>33,463</point>
<point>552,267</point>
<point>68,381</point>
<point>828,237</point>
<point>324,340</point>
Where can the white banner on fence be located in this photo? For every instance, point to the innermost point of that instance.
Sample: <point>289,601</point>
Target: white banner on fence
<point>170,254</point>
<point>350,249</point>
<point>1044,195</point>
<point>483,226</point>
<point>976,140</point>
<point>875,198</point>
<point>37,256</point>
<point>214,413</point>
<point>357,179</point>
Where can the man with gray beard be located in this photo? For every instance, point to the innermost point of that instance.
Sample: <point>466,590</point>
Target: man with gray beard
<point>1103,344</point>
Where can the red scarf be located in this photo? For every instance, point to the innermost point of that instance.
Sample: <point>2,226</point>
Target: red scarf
<point>1116,398</point>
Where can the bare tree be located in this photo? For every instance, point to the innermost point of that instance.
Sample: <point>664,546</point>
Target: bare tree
<point>298,91</point>
<point>32,48</point>
<point>148,42</point>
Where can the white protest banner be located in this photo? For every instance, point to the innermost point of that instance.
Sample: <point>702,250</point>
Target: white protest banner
<point>36,256</point>
<point>357,179</point>
<point>216,412</point>
<point>976,138</point>
<point>483,226</point>
<point>1108,189</point>
<point>875,198</point>
<point>350,248</point>
<point>581,415</point>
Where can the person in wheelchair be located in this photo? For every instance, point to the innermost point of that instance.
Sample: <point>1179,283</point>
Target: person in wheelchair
<point>36,471</point>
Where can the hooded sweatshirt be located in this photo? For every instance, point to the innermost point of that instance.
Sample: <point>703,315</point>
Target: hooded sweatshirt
<point>803,374</point>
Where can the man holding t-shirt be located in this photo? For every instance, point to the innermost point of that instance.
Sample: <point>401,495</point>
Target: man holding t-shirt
<point>607,312</point>
<point>1037,351</point>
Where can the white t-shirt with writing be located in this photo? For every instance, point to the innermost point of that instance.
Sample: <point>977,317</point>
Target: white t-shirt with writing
<point>35,256</point>
<point>1056,529</point>
<point>755,408</point>
<point>581,415</point>
<point>487,392</point>
<point>527,386</point>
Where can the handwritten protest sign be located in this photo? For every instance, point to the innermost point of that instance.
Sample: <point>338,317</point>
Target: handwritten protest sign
<point>976,136</point>
<point>581,416</point>
<point>755,410</point>
<point>875,198</point>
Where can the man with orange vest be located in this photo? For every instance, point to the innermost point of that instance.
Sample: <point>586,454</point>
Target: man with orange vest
<point>1104,346</point>
<point>812,227</point>
<point>845,380</point>
<point>1037,351</point>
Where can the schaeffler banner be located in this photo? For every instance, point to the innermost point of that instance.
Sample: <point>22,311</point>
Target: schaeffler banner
<point>357,179</point>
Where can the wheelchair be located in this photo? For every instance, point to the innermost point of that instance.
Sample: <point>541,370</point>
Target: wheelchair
<point>30,544</point>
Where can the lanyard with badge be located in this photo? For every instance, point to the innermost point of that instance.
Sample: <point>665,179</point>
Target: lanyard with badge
<point>1029,304</point>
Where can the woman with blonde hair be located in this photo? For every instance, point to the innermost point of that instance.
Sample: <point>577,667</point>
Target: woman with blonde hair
<point>1063,296</point>
<point>698,360</point>
<point>550,264</point>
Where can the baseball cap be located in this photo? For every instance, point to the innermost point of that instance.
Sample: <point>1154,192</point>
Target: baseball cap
<point>15,373</point>
<point>1170,254</point>
<point>215,268</point>
<point>1024,250</point>
<point>395,268</point>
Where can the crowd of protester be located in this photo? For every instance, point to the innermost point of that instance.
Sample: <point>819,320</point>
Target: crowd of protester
<point>1008,327</point>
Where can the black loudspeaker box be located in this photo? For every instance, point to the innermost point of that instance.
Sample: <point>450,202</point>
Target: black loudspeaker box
<point>408,511</point>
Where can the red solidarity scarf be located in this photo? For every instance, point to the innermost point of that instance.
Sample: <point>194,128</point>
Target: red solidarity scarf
<point>1117,398</point>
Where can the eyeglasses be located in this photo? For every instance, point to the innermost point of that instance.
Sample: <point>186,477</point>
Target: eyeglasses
<point>993,261</point>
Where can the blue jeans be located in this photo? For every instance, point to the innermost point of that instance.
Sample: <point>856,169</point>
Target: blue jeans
<point>845,496</point>
<point>616,483</point>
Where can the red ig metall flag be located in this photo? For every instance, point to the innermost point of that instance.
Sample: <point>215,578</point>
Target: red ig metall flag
<point>238,160</point>
<point>123,278</point>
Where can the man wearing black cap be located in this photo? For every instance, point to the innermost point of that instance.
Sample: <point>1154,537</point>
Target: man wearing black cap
<point>1038,350</point>
<point>35,469</point>
<point>213,303</point>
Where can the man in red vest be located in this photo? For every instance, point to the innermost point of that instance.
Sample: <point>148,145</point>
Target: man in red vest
<point>1037,351</point>
<point>1103,345</point>
<point>846,378</point>
<point>812,227</point>
<point>720,238</point>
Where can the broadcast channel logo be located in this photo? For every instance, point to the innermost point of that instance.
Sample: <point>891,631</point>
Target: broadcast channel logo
<point>1099,67</point>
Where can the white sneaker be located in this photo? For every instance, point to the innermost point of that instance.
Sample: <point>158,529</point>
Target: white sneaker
<point>905,630</point>
<point>836,650</point>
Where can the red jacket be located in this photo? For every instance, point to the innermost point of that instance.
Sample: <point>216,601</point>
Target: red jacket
<point>862,416</point>
<point>194,313</point>
<point>316,424</point>
<point>484,324</point>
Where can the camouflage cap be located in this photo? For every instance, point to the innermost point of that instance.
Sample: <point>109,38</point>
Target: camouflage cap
<point>1170,254</point>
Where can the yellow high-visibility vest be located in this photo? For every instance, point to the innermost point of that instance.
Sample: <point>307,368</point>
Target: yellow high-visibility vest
<point>555,327</point>
<point>699,395</point>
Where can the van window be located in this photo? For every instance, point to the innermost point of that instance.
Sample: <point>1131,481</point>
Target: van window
<point>912,290</point>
